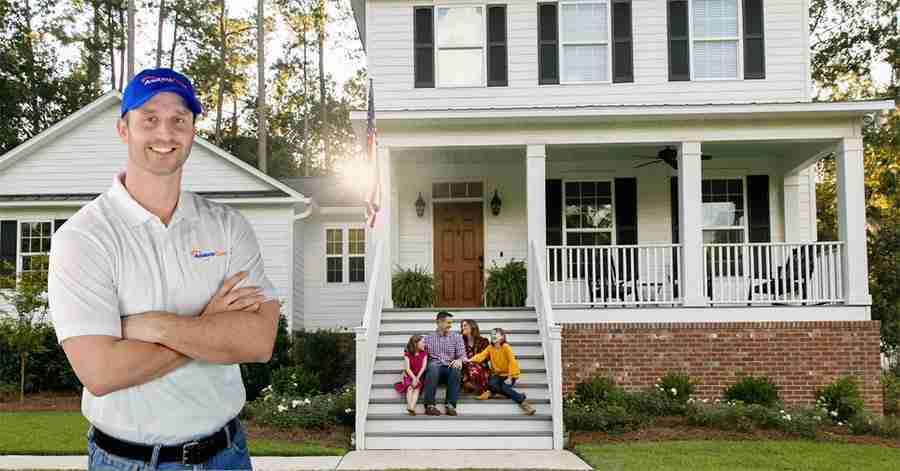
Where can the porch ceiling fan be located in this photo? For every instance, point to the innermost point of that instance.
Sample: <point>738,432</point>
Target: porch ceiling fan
<point>668,155</point>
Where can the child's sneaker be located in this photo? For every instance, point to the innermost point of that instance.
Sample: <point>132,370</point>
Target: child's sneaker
<point>410,411</point>
<point>484,396</point>
<point>527,408</point>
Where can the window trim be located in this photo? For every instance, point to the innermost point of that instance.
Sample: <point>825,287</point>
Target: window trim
<point>612,227</point>
<point>746,224</point>
<point>561,43</point>
<point>739,38</point>
<point>19,253</point>
<point>345,255</point>
<point>438,48</point>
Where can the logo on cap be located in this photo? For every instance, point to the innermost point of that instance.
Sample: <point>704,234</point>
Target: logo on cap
<point>153,80</point>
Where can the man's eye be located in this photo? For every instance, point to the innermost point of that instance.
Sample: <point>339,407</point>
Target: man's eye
<point>180,120</point>
<point>150,119</point>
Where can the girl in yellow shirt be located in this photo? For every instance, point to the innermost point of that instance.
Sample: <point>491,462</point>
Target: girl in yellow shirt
<point>504,370</point>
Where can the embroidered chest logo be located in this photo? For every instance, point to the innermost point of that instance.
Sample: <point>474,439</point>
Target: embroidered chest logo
<point>205,254</point>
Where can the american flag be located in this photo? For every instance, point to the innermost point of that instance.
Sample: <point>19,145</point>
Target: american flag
<point>371,157</point>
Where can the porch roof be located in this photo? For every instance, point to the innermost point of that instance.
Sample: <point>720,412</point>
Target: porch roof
<point>639,112</point>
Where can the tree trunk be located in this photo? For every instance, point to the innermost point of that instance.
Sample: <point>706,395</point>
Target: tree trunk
<point>112,46</point>
<point>94,66</point>
<point>306,156</point>
<point>323,131</point>
<point>131,13</point>
<point>23,360</point>
<point>121,48</point>
<point>234,117</point>
<point>261,89</point>
<point>174,40</point>
<point>29,51</point>
<point>159,31</point>
<point>222,56</point>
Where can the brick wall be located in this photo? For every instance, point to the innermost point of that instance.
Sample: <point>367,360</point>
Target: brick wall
<point>798,356</point>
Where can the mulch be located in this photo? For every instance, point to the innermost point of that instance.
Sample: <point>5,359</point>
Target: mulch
<point>675,428</point>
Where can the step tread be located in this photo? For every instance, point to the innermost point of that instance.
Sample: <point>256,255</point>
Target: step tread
<point>399,370</point>
<point>419,332</point>
<point>480,321</point>
<point>464,417</point>
<point>467,434</point>
<point>517,386</point>
<point>539,356</point>
<point>465,399</point>
<point>516,344</point>
<point>458,309</point>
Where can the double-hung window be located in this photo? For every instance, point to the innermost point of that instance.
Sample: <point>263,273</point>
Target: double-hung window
<point>716,39</point>
<point>460,46</point>
<point>345,254</point>
<point>724,217</point>
<point>584,40</point>
<point>588,213</point>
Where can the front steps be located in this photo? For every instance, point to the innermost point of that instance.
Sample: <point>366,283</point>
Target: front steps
<point>483,425</point>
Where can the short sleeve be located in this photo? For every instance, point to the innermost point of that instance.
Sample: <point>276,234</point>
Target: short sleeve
<point>246,256</point>
<point>81,287</point>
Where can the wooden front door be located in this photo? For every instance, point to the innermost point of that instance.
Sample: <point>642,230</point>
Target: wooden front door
<point>459,254</point>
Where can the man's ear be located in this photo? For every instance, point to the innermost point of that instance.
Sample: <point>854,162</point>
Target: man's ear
<point>122,128</point>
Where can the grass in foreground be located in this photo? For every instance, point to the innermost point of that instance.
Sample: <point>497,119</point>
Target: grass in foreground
<point>65,433</point>
<point>739,456</point>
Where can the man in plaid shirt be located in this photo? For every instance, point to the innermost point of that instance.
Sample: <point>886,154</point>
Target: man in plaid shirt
<point>446,354</point>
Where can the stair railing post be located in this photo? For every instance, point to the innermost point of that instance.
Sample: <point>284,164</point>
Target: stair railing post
<point>362,388</point>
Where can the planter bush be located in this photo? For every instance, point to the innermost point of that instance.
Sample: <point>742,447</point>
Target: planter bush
<point>413,288</point>
<point>867,424</point>
<point>841,399</point>
<point>599,390</point>
<point>609,418</point>
<point>678,385</point>
<point>754,390</point>
<point>890,381</point>
<point>737,416</point>
<point>315,412</point>
<point>330,354</point>
<point>506,286</point>
<point>257,376</point>
<point>295,381</point>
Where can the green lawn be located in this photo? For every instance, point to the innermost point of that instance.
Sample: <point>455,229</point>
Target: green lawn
<point>64,433</point>
<point>739,456</point>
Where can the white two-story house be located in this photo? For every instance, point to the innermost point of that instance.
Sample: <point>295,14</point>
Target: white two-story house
<point>652,161</point>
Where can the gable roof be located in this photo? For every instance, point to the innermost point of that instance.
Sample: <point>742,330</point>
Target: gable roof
<point>102,104</point>
<point>326,192</point>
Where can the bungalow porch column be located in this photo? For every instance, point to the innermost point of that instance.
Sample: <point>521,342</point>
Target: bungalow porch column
<point>535,181</point>
<point>690,223</point>
<point>852,220</point>
<point>385,220</point>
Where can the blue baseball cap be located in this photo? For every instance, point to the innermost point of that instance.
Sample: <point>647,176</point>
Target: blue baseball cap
<point>146,84</point>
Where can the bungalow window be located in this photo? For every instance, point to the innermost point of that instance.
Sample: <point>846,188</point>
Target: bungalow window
<point>724,220</point>
<point>35,245</point>
<point>588,213</point>
<point>345,254</point>
<point>460,46</point>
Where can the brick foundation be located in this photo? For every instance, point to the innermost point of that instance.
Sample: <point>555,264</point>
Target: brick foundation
<point>798,356</point>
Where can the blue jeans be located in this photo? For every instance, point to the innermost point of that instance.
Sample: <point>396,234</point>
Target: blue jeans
<point>438,373</point>
<point>498,385</point>
<point>234,456</point>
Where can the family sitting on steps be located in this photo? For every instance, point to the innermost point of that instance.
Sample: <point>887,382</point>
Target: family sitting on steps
<point>465,360</point>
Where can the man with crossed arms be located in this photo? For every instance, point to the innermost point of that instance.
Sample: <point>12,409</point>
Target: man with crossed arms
<point>157,295</point>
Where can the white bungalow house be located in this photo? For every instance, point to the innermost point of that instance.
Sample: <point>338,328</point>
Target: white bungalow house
<point>653,162</point>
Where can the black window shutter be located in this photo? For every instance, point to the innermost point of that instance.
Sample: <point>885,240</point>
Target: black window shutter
<point>496,47</point>
<point>548,44</point>
<point>626,211</point>
<point>673,199</point>
<point>758,202</point>
<point>679,41</point>
<point>8,234</point>
<point>623,49</point>
<point>553,201</point>
<point>754,42</point>
<point>57,223</point>
<point>424,47</point>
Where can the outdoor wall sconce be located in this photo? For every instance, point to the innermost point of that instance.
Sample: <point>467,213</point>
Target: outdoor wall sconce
<point>420,205</point>
<point>495,204</point>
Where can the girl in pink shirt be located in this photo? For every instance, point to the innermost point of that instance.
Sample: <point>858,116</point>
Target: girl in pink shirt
<point>416,359</point>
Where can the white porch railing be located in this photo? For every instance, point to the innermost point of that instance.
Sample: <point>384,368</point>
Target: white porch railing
<point>367,342</point>
<point>611,275</point>
<point>551,340</point>
<point>780,273</point>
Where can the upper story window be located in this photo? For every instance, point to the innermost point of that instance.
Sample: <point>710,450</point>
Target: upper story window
<point>460,46</point>
<point>345,254</point>
<point>585,41</point>
<point>706,38</point>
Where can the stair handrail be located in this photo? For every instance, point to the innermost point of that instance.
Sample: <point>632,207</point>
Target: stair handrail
<point>551,339</point>
<point>367,342</point>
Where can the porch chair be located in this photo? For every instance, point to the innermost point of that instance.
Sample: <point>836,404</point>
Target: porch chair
<point>793,277</point>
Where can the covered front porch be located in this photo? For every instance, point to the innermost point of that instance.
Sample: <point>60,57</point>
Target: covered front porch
<point>632,217</point>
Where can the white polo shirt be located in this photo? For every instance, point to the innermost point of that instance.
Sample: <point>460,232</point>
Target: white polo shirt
<point>114,258</point>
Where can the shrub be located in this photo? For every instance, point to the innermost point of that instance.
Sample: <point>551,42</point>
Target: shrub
<point>610,418</point>
<point>653,403</point>
<point>890,381</point>
<point>295,381</point>
<point>804,422</point>
<point>48,367</point>
<point>506,286</point>
<point>344,406</point>
<point>319,411</point>
<point>841,399</point>
<point>678,385</point>
<point>867,424</point>
<point>599,390</point>
<point>257,376</point>
<point>732,416</point>
<point>8,391</point>
<point>413,288</point>
<point>330,354</point>
<point>753,390</point>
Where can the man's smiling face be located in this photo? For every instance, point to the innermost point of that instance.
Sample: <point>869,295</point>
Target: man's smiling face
<point>159,134</point>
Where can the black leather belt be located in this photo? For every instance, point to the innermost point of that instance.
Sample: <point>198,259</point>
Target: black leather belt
<point>193,452</point>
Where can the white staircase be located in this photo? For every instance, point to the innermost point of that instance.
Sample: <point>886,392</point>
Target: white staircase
<point>492,424</point>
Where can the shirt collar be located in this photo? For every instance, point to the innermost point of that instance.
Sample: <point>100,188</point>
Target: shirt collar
<point>135,214</point>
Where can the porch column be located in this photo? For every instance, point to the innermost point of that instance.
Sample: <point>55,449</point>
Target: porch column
<point>535,180</point>
<point>384,222</point>
<point>690,222</point>
<point>852,220</point>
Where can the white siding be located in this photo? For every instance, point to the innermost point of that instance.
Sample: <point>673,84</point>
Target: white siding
<point>84,160</point>
<point>800,206</point>
<point>328,306</point>
<point>299,270</point>
<point>389,47</point>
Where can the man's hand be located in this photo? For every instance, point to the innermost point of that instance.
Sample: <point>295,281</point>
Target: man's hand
<point>456,364</point>
<point>230,299</point>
